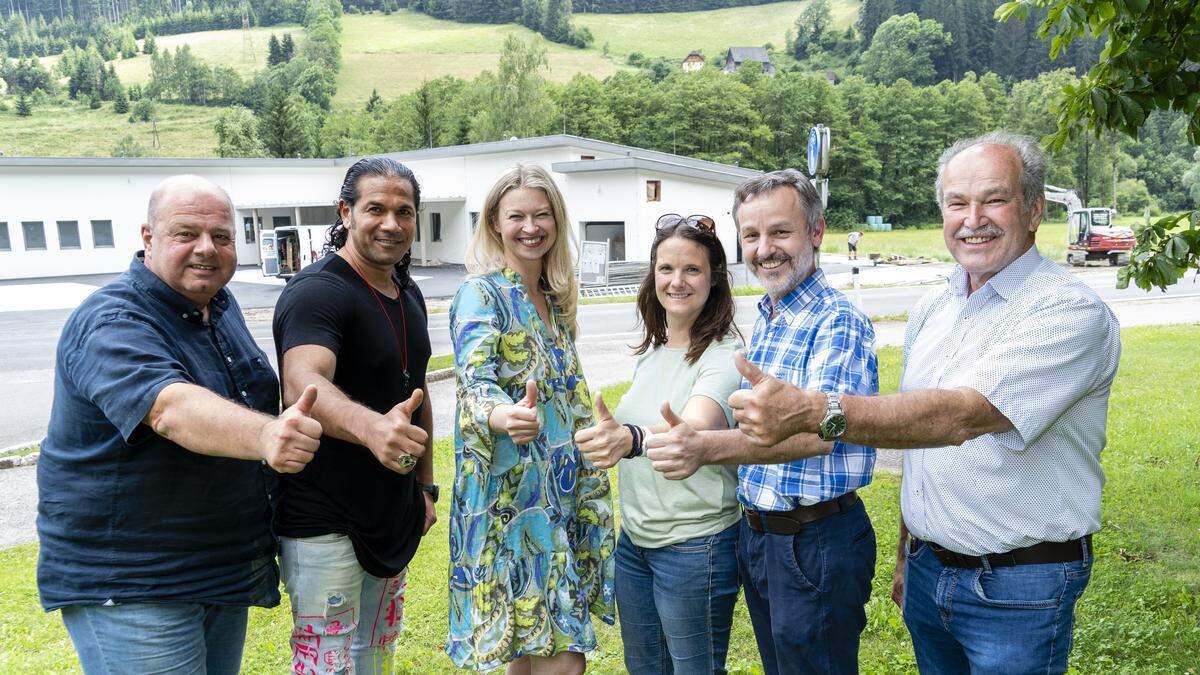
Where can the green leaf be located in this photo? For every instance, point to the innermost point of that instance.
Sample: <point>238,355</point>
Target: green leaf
<point>1099,104</point>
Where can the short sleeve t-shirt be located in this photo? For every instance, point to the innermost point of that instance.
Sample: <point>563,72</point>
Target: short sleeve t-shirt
<point>344,489</point>
<point>656,512</point>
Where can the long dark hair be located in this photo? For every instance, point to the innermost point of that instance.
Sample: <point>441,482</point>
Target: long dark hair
<point>335,237</point>
<point>716,318</point>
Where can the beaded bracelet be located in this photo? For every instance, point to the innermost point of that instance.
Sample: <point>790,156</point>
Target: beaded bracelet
<point>638,441</point>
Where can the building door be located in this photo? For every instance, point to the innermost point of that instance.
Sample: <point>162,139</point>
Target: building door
<point>270,258</point>
<point>611,231</point>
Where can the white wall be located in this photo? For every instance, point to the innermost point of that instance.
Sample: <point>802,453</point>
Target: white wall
<point>454,186</point>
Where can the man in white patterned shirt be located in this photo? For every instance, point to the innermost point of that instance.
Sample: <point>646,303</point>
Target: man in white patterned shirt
<point>1004,400</point>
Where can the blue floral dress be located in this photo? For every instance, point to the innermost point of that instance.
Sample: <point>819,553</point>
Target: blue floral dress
<point>531,526</point>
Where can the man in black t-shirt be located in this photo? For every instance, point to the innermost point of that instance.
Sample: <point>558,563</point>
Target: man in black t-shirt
<point>354,325</point>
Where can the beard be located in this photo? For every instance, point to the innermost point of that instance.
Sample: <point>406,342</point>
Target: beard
<point>780,281</point>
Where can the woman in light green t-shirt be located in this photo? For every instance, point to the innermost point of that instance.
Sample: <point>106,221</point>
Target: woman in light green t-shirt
<point>677,578</point>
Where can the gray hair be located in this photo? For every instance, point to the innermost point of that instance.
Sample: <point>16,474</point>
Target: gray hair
<point>810,199</point>
<point>184,182</point>
<point>1033,163</point>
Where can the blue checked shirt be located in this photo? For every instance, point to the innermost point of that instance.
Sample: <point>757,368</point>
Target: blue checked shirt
<point>816,339</point>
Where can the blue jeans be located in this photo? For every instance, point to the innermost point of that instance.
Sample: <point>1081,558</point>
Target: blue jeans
<point>343,619</point>
<point>676,603</point>
<point>807,592</point>
<point>1015,619</point>
<point>145,638</point>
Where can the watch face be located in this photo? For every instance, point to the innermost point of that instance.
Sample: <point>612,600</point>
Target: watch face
<point>833,427</point>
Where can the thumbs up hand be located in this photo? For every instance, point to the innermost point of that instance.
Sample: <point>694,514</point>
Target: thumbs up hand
<point>519,420</point>
<point>605,442</point>
<point>676,453</point>
<point>393,438</point>
<point>771,410</point>
<point>290,441</point>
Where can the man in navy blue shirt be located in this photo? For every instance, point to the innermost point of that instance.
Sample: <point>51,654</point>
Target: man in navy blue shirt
<point>153,509</point>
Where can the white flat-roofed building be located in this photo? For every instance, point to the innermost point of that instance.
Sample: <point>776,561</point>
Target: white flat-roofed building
<point>69,216</point>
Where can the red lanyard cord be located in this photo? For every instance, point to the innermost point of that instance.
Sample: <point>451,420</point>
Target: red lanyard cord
<point>403,316</point>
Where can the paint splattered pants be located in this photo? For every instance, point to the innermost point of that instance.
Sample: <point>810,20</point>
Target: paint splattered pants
<point>343,619</point>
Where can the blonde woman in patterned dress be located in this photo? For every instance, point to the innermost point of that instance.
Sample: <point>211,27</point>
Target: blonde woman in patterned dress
<point>531,523</point>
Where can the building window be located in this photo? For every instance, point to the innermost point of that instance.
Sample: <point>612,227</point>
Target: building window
<point>435,226</point>
<point>68,234</point>
<point>280,221</point>
<point>653,190</point>
<point>474,221</point>
<point>612,232</point>
<point>35,235</point>
<point>5,242</point>
<point>102,236</point>
<point>248,228</point>
<point>583,157</point>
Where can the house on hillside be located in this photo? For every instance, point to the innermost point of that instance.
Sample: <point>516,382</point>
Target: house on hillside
<point>736,56</point>
<point>693,62</point>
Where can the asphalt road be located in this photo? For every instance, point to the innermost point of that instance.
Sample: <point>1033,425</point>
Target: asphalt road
<point>28,339</point>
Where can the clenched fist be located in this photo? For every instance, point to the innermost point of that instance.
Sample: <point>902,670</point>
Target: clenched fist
<point>289,441</point>
<point>605,442</point>
<point>393,438</point>
<point>519,420</point>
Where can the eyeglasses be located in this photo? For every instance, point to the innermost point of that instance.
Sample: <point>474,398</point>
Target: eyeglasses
<point>700,222</point>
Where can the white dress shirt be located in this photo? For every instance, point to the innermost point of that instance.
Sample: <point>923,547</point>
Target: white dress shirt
<point>1043,349</point>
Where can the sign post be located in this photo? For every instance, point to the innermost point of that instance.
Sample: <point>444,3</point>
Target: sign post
<point>818,160</point>
<point>593,263</point>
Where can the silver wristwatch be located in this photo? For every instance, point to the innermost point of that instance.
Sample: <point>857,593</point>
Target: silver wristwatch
<point>834,424</point>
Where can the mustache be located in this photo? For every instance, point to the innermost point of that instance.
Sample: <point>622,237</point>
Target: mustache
<point>988,230</point>
<point>774,257</point>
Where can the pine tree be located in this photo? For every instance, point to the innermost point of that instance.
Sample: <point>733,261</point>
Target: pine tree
<point>24,109</point>
<point>374,102</point>
<point>149,46</point>
<point>120,102</point>
<point>287,47</point>
<point>871,15</point>
<point>274,52</point>
<point>94,103</point>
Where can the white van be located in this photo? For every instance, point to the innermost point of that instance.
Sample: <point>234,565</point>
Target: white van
<point>287,250</point>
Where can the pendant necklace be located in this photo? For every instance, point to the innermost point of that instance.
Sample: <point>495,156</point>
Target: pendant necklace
<point>403,319</point>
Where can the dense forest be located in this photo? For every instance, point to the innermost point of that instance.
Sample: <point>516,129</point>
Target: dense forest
<point>896,88</point>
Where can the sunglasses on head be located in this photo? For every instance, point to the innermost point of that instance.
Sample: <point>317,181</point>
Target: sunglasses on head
<point>700,222</point>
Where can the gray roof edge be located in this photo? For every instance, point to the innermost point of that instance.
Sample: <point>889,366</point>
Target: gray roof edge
<point>199,162</point>
<point>729,174</point>
<point>445,152</point>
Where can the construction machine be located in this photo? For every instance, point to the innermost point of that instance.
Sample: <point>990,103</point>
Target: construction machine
<point>1091,234</point>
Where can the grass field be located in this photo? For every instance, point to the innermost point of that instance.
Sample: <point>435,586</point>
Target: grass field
<point>74,130</point>
<point>675,34</point>
<point>1138,614</point>
<point>395,53</point>
<point>215,47</point>
<point>912,243</point>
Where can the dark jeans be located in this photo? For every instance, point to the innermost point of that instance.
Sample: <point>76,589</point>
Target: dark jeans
<point>1015,619</point>
<point>807,592</point>
<point>676,603</point>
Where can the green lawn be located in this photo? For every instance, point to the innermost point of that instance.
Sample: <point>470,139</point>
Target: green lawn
<point>675,34</point>
<point>396,53</point>
<point>214,47</point>
<point>1137,616</point>
<point>928,242</point>
<point>74,130</point>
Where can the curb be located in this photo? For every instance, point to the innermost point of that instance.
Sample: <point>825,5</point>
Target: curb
<point>14,461</point>
<point>439,375</point>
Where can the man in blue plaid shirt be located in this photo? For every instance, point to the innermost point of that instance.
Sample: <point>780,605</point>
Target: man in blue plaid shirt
<point>807,549</point>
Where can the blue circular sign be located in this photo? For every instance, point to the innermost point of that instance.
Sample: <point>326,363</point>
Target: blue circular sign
<point>814,150</point>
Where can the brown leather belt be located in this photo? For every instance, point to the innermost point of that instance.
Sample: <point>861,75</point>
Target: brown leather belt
<point>791,522</point>
<point>1037,554</point>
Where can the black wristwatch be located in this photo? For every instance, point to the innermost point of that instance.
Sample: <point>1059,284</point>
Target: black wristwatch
<point>834,424</point>
<point>431,490</point>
